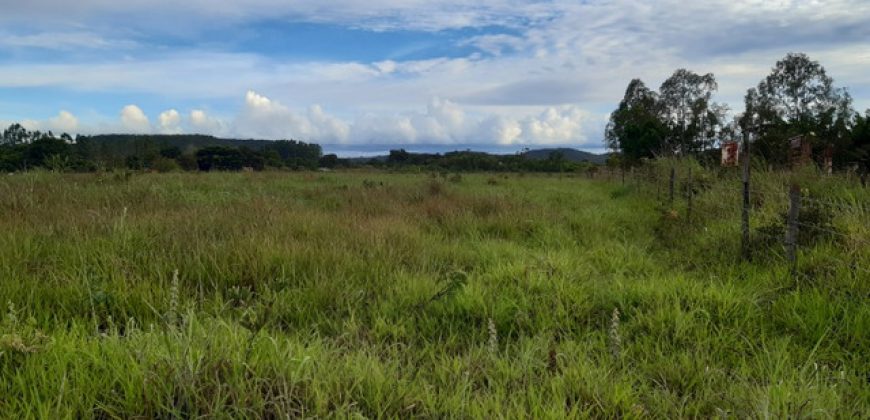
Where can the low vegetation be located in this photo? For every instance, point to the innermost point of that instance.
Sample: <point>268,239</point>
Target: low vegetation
<point>275,294</point>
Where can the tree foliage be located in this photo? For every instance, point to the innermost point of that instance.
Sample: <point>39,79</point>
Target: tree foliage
<point>797,98</point>
<point>636,128</point>
<point>688,111</point>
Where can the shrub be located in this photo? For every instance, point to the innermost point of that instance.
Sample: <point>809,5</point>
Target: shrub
<point>163,164</point>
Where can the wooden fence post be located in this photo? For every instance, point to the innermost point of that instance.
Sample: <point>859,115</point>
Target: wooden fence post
<point>658,186</point>
<point>671,187</point>
<point>791,233</point>
<point>689,192</point>
<point>744,217</point>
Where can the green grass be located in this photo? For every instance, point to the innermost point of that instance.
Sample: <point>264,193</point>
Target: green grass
<point>366,294</point>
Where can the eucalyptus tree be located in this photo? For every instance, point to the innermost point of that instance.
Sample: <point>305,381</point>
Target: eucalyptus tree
<point>635,128</point>
<point>797,98</point>
<point>693,119</point>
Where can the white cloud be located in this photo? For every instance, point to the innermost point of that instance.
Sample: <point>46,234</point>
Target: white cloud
<point>202,123</point>
<point>552,77</point>
<point>555,126</point>
<point>63,41</point>
<point>265,118</point>
<point>64,122</point>
<point>133,120</point>
<point>169,122</point>
<point>501,130</point>
<point>445,122</point>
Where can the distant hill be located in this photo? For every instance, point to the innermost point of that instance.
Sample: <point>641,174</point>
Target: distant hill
<point>182,141</point>
<point>572,155</point>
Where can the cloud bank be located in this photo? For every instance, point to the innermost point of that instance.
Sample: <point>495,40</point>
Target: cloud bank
<point>511,71</point>
<point>442,122</point>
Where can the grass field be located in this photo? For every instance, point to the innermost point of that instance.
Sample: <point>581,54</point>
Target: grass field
<point>366,294</point>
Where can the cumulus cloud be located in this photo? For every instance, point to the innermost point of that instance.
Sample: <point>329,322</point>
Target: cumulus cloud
<point>555,125</point>
<point>169,122</point>
<point>501,130</point>
<point>441,121</point>
<point>201,122</point>
<point>445,122</point>
<point>549,72</point>
<point>133,120</point>
<point>64,122</point>
<point>265,118</point>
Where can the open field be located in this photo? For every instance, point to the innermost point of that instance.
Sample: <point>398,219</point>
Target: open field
<point>398,295</point>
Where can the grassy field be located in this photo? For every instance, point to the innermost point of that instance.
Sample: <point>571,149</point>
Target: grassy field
<point>365,294</point>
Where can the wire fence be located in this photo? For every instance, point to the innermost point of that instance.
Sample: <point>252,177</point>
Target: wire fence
<point>785,222</point>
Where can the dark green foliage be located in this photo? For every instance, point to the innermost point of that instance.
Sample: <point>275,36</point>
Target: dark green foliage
<point>692,118</point>
<point>22,149</point>
<point>295,152</point>
<point>798,98</point>
<point>543,160</point>
<point>858,153</point>
<point>219,158</point>
<point>170,152</point>
<point>636,128</point>
<point>329,161</point>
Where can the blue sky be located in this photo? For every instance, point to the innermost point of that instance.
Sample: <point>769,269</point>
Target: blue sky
<point>494,74</point>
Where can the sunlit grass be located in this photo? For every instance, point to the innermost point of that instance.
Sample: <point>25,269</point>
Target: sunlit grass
<point>403,295</point>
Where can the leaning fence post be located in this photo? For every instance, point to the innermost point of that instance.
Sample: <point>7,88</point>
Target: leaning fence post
<point>671,187</point>
<point>791,233</point>
<point>745,214</point>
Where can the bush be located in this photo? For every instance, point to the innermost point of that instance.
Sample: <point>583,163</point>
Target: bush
<point>163,164</point>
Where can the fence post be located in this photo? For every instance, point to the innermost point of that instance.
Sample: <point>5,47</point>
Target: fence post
<point>744,217</point>
<point>671,187</point>
<point>791,233</point>
<point>689,192</point>
<point>658,186</point>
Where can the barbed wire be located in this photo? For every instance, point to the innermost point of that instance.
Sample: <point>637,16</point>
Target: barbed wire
<point>703,206</point>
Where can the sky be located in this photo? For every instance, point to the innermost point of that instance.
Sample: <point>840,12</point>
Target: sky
<point>362,76</point>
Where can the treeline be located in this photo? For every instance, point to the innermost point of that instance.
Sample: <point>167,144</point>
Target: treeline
<point>21,149</point>
<point>797,98</point>
<point>556,161</point>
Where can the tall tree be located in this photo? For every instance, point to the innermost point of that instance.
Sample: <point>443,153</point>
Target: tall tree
<point>687,107</point>
<point>859,150</point>
<point>635,128</point>
<point>15,134</point>
<point>797,98</point>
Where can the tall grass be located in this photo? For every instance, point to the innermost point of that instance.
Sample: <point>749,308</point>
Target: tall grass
<point>402,295</point>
